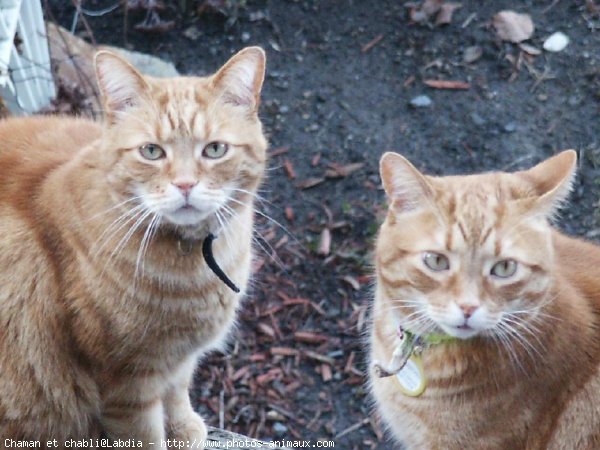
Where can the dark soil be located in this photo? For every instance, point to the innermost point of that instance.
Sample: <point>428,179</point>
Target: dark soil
<point>327,102</point>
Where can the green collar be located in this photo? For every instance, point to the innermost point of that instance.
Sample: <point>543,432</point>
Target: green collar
<point>432,338</point>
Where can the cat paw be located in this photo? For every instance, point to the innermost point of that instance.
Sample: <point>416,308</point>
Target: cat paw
<point>190,432</point>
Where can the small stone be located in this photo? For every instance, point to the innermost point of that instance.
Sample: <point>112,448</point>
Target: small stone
<point>542,97</point>
<point>556,42</point>
<point>192,33</point>
<point>510,127</point>
<point>477,119</point>
<point>472,54</point>
<point>422,101</point>
<point>279,428</point>
<point>245,36</point>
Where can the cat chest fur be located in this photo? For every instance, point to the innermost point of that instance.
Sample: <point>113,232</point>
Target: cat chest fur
<point>160,319</point>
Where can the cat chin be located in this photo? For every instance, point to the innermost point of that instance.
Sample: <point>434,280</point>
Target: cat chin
<point>186,218</point>
<point>197,230</point>
<point>460,333</point>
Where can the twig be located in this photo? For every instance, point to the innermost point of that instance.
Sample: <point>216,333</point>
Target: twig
<point>83,78</point>
<point>354,427</point>
<point>369,45</point>
<point>550,6</point>
<point>77,5</point>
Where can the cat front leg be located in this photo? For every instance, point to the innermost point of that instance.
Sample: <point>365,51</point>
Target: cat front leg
<point>183,423</point>
<point>136,420</point>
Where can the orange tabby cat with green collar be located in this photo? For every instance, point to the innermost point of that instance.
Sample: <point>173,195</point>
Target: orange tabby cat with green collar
<point>110,285</point>
<point>486,323</point>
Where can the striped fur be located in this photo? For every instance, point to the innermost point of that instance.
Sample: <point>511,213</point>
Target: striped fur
<point>102,323</point>
<point>527,376</point>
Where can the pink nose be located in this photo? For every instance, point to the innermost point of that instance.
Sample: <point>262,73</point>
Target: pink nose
<point>185,187</point>
<point>468,310</point>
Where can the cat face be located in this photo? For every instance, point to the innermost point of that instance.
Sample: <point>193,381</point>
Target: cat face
<point>469,255</point>
<point>186,149</point>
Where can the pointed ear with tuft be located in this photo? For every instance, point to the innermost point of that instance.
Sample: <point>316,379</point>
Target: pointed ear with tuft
<point>551,182</point>
<point>407,188</point>
<point>121,85</point>
<point>240,79</point>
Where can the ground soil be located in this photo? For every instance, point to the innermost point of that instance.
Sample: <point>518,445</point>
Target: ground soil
<point>331,100</point>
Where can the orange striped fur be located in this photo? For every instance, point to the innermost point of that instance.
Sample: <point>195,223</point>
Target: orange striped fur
<point>523,372</point>
<point>104,309</point>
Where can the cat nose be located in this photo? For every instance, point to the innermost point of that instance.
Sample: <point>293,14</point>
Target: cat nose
<point>185,186</point>
<point>468,310</point>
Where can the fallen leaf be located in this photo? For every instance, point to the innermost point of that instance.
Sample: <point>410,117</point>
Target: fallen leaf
<point>309,182</point>
<point>513,27</point>
<point>444,16</point>
<point>278,151</point>
<point>266,329</point>
<point>309,337</point>
<point>337,171</point>
<point>284,351</point>
<point>315,160</point>
<point>289,169</point>
<point>326,372</point>
<point>289,213</point>
<point>318,357</point>
<point>472,54</point>
<point>447,84</point>
<point>424,11</point>
<point>530,49</point>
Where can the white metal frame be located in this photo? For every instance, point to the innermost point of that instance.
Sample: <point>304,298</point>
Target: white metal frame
<point>26,83</point>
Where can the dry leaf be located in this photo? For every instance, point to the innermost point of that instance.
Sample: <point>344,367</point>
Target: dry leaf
<point>278,151</point>
<point>445,14</point>
<point>425,11</point>
<point>309,182</point>
<point>338,171</point>
<point>447,84</point>
<point>289,169</point>
<point>513,27</point>
<point>289,213</point>
<point>309,337</point>
<point>266,329</point>
<point>530,49</point>
<point>472,54</point>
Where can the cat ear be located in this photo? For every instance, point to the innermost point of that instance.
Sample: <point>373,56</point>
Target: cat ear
<point>405,186</point>
<point>240,79</point>
<point>121,85</point>
<point>551,181</point>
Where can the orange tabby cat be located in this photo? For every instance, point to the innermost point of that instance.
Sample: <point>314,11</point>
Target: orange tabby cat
<point>496,314</point>
<point>106,301</point>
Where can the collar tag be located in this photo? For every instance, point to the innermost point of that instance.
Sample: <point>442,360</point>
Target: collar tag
<point>411,377</point>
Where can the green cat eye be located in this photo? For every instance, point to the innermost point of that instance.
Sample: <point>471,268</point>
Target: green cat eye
<point>504,269</point>
<point>152,152</point>
<point>436,261</point>
<point>215,150</point>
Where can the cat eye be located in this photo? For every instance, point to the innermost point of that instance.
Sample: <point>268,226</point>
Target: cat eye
<point>215,150</point>
<point>436,261</point>
<point>504,269</point>
<point>152,152</point>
